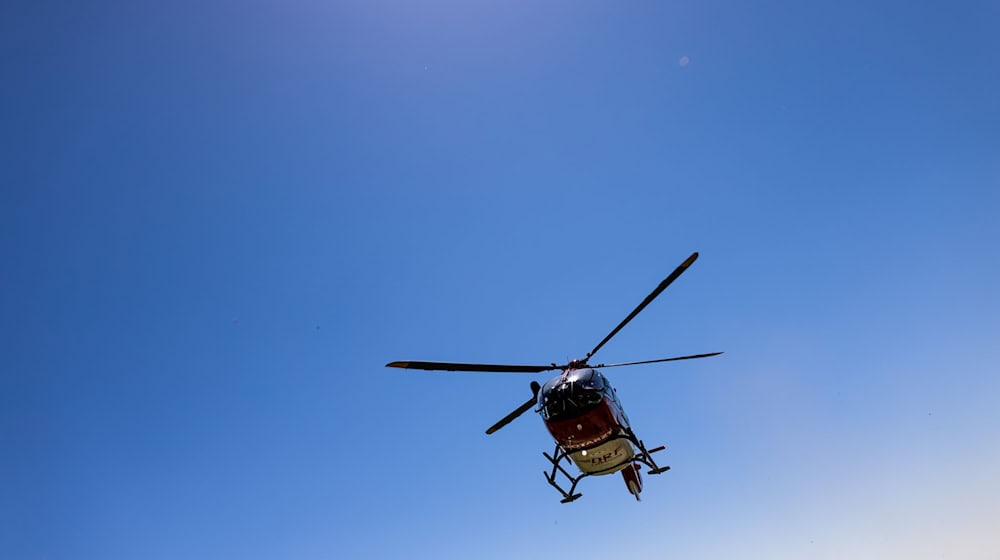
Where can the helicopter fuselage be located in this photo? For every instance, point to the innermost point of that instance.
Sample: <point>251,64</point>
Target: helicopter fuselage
<point>582,412</point>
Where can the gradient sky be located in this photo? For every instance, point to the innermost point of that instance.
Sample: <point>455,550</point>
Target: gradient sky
<point>219,220</point>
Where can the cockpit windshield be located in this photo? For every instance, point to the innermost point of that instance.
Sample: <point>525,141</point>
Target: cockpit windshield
<point>572,394</point>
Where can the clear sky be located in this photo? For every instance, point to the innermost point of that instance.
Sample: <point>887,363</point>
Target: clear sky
<point>219,220</point>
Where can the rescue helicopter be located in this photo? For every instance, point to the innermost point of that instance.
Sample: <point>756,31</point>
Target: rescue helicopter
<point>582,412</point>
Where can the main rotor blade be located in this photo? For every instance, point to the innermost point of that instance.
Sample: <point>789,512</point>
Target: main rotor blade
<point>663,286</point>
<point>662,360</point>
<point>518,411</point>
<point>448,366</point>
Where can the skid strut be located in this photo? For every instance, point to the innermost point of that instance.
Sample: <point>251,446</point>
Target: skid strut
<point>561,454</point>
<point>645,456</point>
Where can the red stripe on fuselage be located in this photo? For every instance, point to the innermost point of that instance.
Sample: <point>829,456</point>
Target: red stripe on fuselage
<point>590,428</point>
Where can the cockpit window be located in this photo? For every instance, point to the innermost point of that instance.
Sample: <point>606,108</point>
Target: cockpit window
<point>573,394</point>
<point>595,381</point>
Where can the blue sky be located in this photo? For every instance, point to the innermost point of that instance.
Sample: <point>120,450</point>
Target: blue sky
<point>219,220</point>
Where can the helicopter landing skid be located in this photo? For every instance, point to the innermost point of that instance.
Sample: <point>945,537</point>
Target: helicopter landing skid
<point>644,456</point>
<point>561,454</point>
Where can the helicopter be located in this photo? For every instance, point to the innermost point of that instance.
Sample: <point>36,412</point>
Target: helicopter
<point>582,412</point>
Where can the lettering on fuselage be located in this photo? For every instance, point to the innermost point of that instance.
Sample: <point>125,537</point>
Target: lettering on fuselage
<point>606,458</point>
<point>618,452</point>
